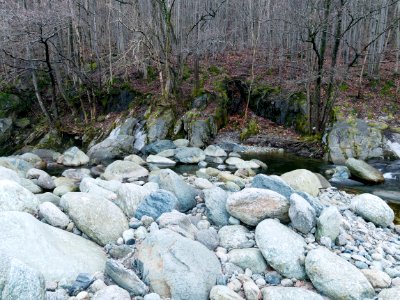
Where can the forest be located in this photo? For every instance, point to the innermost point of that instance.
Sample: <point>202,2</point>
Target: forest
<point>71,53</point>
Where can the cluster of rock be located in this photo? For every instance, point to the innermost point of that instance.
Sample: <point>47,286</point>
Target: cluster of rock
<point>136,229</point>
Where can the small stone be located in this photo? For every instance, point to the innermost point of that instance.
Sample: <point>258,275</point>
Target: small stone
<point>235,285</point>
<point>287,282</point>
<point>129,236</point>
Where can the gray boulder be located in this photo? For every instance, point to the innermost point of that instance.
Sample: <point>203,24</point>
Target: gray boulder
<point>281,247</point>
<point>170,181</point>
<point>252,205</point>
<point>336,278</point>
<point>74,157</point>
<point>122,170</point>
<point>373,209</point>
<point>274,183</point>
<point>52,215</point>
<point>130,195</point>
<point>14,197</point>
<point>215,200</point>
<point>158,146</point>
<point>157,203</point>
<point>125,278</point>
<point>98,218</point>
<point>390,294</point>
<point>303,180</point>
<point>111,149</point>
<point>208,237</point>
<point>42,179</point>
<point>19,281</point>
<point>9,174</point>
<point>18,165</point>
<point>234,237</point>
<point>364,171</point>
<point>250,258</point>
<point>354,139</point>
<point>328,223</point>
<point>302,215</point>
<point>56,253</point>
<point>285,293</point>
<point>176,267</point>
<point>189,155</point>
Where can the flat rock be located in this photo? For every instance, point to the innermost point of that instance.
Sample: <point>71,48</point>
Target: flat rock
<point>160,161</point>
<point>48,247</point>
<point>373,209</point>
<point>364,171</point>
<point>190,155</point>
<point>177,267</point>
<point>122,170</point>
<point>281,247</point>
<point>14,197</point>
<point>336,278</point>
<point>252,205</point>
<point>286,293</point>
<point>98,218</point>
<point>303,180</point>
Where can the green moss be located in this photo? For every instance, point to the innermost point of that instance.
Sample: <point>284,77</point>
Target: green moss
<point>214,70</point>
<point>250,130</point>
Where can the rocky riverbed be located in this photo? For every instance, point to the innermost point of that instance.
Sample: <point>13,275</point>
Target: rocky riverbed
<point>135,229</point>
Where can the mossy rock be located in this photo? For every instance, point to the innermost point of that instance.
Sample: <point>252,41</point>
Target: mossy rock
<point>22,123</point>
<point>9,103</point>
<point>160,123</point>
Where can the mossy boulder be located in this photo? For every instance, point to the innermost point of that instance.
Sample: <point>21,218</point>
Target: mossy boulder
<point>9,103</point>
<point>354,139</point>
<point>160,123</point>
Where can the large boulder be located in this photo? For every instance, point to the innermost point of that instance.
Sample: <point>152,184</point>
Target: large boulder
<point>43,179</point>
<point>157,203</point>
<point>335,277</point>
<point>74,157</point>
<point>252,205</point>
<point>159,124</point>
<point>281,247</point>
<point>111,148</point>
<point>18,165</point>
<point>98,218</point>
<point>274,183</point>
<point>170,181</point>
<point>19,281</point>
<point>354,139</point>
<point>122,170</point>
<point>284,293</point>
<point>390,294</point>
<point>189,155</point>
<point>8,174</point>
<point>302,215</point>
<point>130,195</point>
<point>158,146</point>
<point>373,209</point>
<point>15,197</point>
<point>215,151</point>
<point>56,253</point>
<point>360,169</point>
<point>303,180</point>
<point>215,200</point>
<point>177,267</point>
